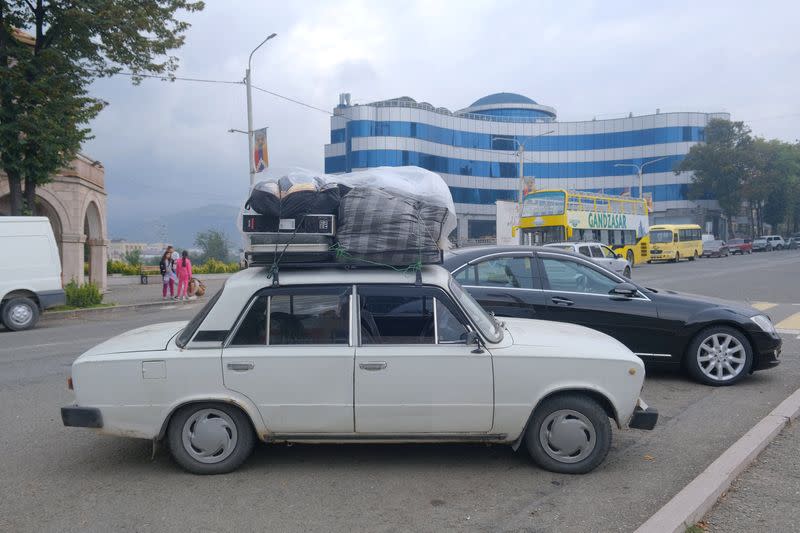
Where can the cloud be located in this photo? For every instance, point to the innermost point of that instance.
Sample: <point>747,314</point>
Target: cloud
<point>165,146</point>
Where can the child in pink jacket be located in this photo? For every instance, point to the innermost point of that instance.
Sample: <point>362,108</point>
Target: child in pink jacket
<point>183,267</point>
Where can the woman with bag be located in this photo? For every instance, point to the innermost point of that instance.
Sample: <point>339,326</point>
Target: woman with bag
<point>168,277</point>
<point>183,267</point>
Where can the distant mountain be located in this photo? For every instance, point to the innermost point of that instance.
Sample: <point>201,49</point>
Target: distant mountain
<point>179,228</point>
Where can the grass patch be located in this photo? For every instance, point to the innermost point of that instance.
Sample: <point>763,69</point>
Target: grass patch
<point>75,307</point>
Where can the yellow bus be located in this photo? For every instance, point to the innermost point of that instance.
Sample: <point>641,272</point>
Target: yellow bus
<point>558,215</point>
<point>673,242</point>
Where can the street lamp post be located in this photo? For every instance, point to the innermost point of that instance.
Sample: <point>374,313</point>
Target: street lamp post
<point>521,154</point>
<point>247,81</point>
<point>639,171</point>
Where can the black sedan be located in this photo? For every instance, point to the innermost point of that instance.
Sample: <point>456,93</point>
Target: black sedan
<point>718,342</point>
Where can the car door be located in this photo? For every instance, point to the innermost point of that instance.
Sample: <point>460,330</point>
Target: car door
<point>292,355</point>
<point>578,292</point>
<point>505,284</point>
<point>599,257</point>
<point>414,372</point>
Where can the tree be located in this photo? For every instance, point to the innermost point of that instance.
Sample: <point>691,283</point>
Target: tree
<point>44,102</point>
<point>721,165</point>
<point>214,245</point>
<point>133,257</point>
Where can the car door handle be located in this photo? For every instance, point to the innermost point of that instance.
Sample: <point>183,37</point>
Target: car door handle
<point>241,367</point>
<point>558,300</point>
<point>372,365</point>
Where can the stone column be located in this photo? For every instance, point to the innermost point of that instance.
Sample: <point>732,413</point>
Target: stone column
<point>72,257</point>
<point>98,257</point>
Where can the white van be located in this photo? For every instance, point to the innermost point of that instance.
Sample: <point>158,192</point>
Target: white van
<point>30,271</point>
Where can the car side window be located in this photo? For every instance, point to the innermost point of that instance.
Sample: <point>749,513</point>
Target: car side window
<point>513,272</point>
<point>572,276</point>
<point>449,329</point>
<point>395,319</point>
<point>584,250</point>
<point>596,251</point>
<point>302,316</point>
<point>466,276</point>
<point>608,252</point>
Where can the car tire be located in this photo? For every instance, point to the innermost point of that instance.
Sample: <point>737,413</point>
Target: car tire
<point>695,256</point>
<point>225,442</point>
<point>749,252</point>
<point>706,359</point>
<point>627,272</point>
<point>677,257</point>
<point>20,314</point>
<point>582,442</point>
<point>779,247</point>
<point>629,257</point>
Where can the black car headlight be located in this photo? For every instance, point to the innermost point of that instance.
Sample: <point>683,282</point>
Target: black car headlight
<point>764,323</point>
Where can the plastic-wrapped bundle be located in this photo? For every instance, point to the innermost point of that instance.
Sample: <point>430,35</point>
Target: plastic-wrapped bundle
<point>293,195</point>
<point>422,185</point>
<point>389,226</point>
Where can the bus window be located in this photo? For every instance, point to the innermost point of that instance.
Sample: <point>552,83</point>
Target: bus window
<point>661,236</point>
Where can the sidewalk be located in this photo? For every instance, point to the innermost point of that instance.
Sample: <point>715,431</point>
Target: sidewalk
<point>136,293</point>
<point>765,496</point>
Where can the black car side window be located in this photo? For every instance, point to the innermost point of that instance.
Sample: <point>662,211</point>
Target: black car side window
<point>572,276</point>
<point>508,272</point>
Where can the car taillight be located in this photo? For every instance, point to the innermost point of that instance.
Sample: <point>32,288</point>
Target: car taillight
<point>69,383</point>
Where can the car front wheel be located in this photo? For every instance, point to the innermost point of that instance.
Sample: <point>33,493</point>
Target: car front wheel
<point>719,355</point>
<point>627,272</point>
<point>20,314</point>
<point>569,434</point>
<point>210,438</point>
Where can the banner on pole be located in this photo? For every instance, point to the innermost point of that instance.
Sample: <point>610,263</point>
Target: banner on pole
<point>260,152</point>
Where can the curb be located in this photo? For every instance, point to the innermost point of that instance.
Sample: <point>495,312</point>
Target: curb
<point>102,311</point>
<point>698,497</point>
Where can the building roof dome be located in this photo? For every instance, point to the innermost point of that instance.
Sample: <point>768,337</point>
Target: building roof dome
<point>502,98</point>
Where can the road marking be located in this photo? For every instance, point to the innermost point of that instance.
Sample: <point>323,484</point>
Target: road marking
<point>763,306</point>
<point>792,322</point>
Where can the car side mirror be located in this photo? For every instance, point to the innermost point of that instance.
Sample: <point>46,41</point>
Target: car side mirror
<point>618,256</point>
<point>624,289</point>
<point>473,339</point>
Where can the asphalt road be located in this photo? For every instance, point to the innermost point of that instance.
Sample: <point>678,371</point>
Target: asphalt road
<point>66,479</point>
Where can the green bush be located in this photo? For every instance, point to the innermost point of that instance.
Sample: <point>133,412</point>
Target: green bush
<point>213,266</point>
<point>86,295</point>
<point>121,267</point>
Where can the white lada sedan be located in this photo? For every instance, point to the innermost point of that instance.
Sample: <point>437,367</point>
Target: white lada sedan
<point>359,355</point>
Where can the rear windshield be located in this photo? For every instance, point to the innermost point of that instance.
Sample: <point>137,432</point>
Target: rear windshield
<point>188,332</point>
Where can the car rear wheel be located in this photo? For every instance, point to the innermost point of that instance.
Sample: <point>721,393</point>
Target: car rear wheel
<point>627,272</point>
<point>677,257</point>
<point>694,256</point>
<point>20,313</point>
<point>569,434</point>
<point>719,355</point>
<point>629,257</point>
<point>210,438</point>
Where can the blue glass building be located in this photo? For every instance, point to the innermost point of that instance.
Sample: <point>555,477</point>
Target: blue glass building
<point>475,151</point>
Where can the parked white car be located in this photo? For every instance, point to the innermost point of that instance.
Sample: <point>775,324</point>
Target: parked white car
<point>30,271</point>
<point>598,253</point>
<point>335,355</point>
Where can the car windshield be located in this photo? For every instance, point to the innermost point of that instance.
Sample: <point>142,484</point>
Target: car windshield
<point>483,320</point>
<point>760,241</point>
<point>661,236</point>
<point>187,333</point>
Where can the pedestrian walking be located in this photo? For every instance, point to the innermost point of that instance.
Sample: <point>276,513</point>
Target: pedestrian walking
<point>183,267</point>
<point>167,267</point>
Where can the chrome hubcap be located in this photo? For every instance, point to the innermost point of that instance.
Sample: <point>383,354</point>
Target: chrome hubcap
<point>209,436</point>
<point>721,357</point>
<point>567,436</point>
<point>20,314</point>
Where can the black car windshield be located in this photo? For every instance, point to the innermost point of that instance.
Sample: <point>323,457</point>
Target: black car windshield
<point>483,320</point>
<point>661,236</point>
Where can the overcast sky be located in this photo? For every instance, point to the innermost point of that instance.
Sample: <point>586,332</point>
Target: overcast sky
<point>166,146</point>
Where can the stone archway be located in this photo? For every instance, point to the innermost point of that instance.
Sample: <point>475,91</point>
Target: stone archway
<point>75,203</point>
<point>96,244</point>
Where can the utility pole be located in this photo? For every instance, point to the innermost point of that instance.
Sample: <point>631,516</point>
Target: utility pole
<point>248,83</point>
<point>639,172</point>
<point>521,156</point>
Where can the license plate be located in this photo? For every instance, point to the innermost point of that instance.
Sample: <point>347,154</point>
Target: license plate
<point>286,224</point>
